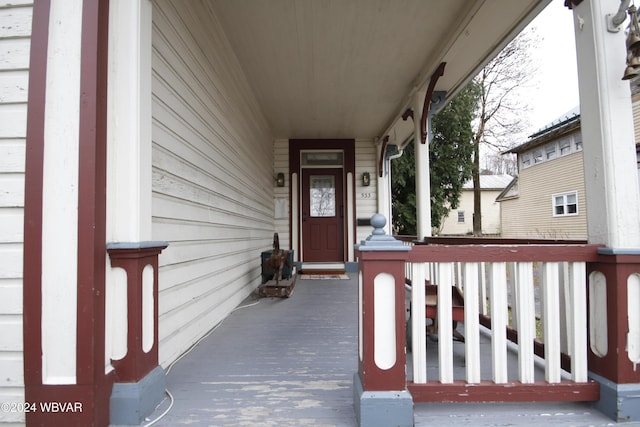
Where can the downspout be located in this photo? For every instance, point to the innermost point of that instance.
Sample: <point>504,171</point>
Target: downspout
<point>389,206</point>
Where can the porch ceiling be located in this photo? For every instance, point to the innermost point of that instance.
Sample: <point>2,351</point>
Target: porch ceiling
<point>345,69</point>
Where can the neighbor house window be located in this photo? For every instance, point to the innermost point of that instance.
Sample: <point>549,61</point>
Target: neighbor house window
<point>537,156</point>
<point>578,142</point>
<point>550,151</point>
<point>526,160</point>
<point>461,216</point>
<point>565,146</point>
<point>565,204</point>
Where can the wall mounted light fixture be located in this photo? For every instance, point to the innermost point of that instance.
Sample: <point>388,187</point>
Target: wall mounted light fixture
<point>366,179</point>
<point>280,179</point>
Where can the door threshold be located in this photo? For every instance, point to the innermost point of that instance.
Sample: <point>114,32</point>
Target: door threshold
<point>322,268</point>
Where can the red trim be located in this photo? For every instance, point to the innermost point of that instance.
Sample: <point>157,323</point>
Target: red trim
<point>32,293</point>
<point>297,145</point>
<point>427,99</point>
<point>92,191</point>
<point>488,391</point>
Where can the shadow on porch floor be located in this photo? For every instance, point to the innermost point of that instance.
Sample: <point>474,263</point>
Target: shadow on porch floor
<point>290,362</point>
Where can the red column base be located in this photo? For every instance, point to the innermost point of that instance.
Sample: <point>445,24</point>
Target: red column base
<point>133,258</point>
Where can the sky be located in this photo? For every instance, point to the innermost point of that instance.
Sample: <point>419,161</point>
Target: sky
<point>555,88</point>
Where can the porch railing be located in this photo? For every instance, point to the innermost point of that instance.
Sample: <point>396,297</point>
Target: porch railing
<point>533,294</point>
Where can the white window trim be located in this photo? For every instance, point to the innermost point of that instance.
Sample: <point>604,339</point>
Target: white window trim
<point>564,196</point>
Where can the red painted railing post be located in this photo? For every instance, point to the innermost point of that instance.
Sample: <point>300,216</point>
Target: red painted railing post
<point>614,351</point>
<point>380,386</point>
<point>140,381</point>
<point>133,259</point>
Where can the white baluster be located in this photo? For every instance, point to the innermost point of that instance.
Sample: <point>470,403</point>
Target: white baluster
<point>551,321</point>
<point>418,324</point>
<point>499,313</point>
<point>483,287</point>
<point>526,314</point>
<point>445,320</point>
<point>578,304</point>
<point>471,322</point>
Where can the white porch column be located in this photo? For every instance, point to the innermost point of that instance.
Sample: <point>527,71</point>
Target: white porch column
<point>613,205</point>
<point>129,126</point>
<point>128,152</point>
<point>131,345</point>
<point>611,176</point>
<point>423,181</point>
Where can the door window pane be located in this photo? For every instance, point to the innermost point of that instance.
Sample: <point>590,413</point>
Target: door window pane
<point>322,158</point>
<point>322,190</point>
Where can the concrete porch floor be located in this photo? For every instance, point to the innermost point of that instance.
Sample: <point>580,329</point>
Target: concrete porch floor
<point>290,362</point>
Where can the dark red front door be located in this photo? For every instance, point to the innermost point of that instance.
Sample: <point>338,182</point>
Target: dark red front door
<point>322,215</point>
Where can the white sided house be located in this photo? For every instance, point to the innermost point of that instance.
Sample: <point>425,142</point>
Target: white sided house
<point>459,222</point>
<point>548,200</point>
<point>150,149</point>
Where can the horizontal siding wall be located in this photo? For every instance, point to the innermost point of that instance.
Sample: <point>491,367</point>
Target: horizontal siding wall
<point>15,33</point>
<point>281,164</point>
<point>212,175</point>
<point>531,215</point>
<point>366,197</point>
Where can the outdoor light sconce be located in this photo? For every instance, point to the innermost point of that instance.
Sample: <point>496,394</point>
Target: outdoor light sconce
<point>366,179</point>
<point>280,179</point>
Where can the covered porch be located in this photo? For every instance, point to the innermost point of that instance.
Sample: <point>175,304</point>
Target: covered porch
<point>187,116</point>
<point>290,362</point>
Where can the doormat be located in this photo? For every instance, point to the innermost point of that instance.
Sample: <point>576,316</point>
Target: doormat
<point>324,276</point>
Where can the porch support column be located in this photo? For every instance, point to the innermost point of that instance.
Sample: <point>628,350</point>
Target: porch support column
<point>423,181</point>
<point>64,254</point>
<point>132,273</point>
<point>613,206</point>
<point>381,397</point>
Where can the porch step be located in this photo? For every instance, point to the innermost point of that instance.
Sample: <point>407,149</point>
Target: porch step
<point>322,268</point>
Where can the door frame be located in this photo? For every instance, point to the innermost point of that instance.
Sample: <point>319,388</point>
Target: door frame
<point>296,147</point>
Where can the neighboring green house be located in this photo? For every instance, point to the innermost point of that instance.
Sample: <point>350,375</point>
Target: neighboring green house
<point>547,199</point>
<point>460,220</point>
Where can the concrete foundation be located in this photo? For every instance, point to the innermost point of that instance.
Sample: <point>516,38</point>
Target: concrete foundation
<point>382,408</point>
<point>620,402</point>
<point>131,402</point>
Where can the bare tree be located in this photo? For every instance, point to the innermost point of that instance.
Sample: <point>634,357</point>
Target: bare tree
<point>497,163</point>
<point>503,111</point>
